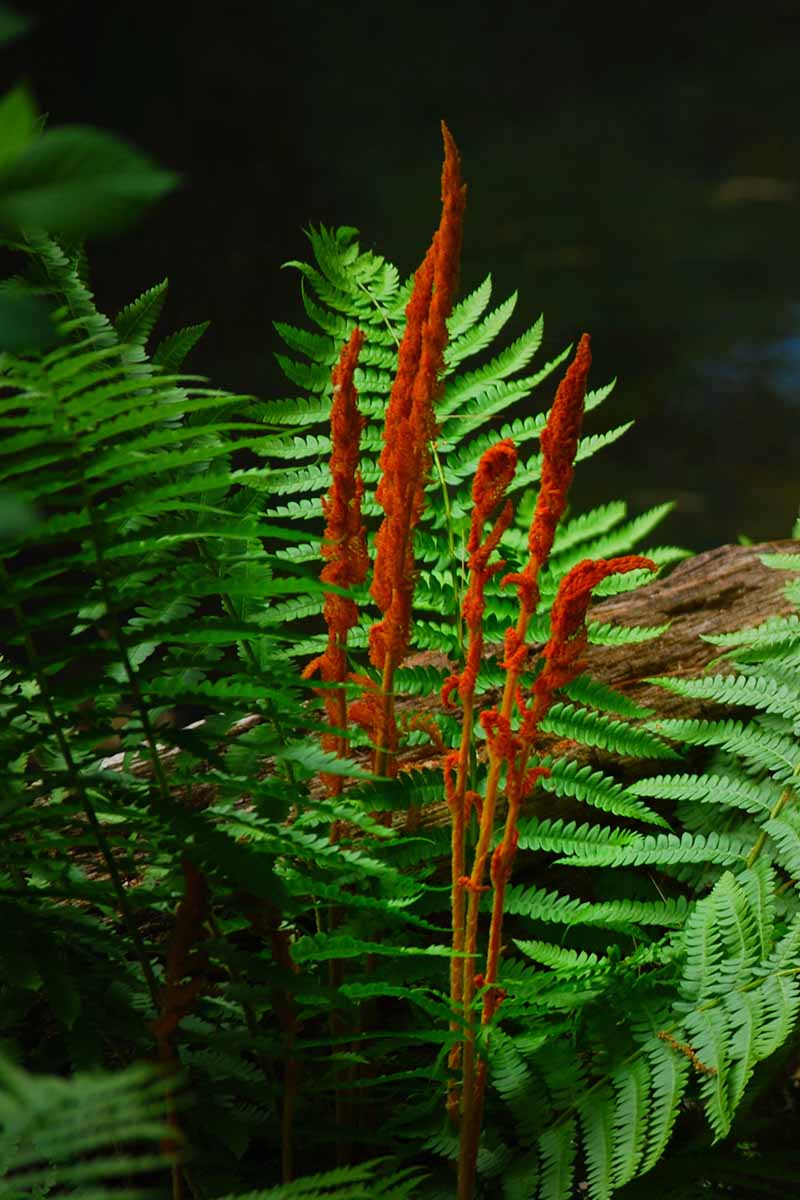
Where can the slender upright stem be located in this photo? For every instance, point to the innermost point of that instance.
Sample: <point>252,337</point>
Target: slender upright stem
<point>784,798</point>
<point>387,716</point>
<point>458,831</point>
<point>473,903</point>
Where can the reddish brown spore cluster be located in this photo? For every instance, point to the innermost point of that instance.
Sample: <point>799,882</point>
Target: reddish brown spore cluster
<point>410,419</point>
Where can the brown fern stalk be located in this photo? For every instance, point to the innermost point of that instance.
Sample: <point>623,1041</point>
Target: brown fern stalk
<point>185,961</point>
<point>563,661</point>
<point>267,922</point>
<point>493,476</point>
<point>405,458</point>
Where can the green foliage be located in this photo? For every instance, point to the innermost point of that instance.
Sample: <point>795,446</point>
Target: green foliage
<point>12,24</point>
<point>348,286</point>
<point>86,1134</point>
<point>160,593</point>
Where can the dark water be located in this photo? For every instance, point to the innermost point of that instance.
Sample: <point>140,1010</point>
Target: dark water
<point>633,171</point>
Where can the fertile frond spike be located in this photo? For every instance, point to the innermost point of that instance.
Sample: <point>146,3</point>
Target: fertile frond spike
<point>410,420</point>
<point>568,638</point>
<point>345,546</point>
<point>559,441</point>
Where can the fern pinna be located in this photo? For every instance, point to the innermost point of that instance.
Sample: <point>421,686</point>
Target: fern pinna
<point>178,805</point>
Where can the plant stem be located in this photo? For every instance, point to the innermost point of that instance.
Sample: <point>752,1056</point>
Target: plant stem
<point>470,1131</point>
<point>777,808</point>
<point>387,717</point>
<point>458,831</point>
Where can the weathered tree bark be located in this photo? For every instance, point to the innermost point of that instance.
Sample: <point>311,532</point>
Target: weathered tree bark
<point>718,591</point>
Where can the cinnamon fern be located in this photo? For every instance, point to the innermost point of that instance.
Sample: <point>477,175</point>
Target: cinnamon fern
<point>220,853</point>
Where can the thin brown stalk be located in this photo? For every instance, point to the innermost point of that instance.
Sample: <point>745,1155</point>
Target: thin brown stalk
<point>186,960</point>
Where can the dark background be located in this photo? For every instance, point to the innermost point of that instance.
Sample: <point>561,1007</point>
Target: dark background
<point>633,171</point>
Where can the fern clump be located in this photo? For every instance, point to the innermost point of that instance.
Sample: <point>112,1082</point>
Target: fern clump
<point>251,649</point>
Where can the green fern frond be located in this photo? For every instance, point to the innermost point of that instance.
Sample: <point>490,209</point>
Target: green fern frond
<point>70,1133</point>
<point>658,849</point>
<point>585,527</point>
<point>567,837</point>
<point>774,751</point>
<point>493,400</point>
<point>775,630</point>
<point>480,334</point>
<point>530,471</point>
<point>707,789</point>
<point>361,1182</point>
<point>593,694</point>
<point>540,905</point>
<point>508,362</point>
<point>321,947</point>
<point>624,635</point>
<point>560,958</point>
<point>135,322</point>
<point>557,1148</point>
<point>598,1141</point>
<point>668,1079</point>
<point>172,351</point>
<point>782,562</point>
<point>632,1112</point>
<point>616,541</point>
<point>593,787</point>
<point>470,309</point>
<point>755,692</point>
<point>596,729</point>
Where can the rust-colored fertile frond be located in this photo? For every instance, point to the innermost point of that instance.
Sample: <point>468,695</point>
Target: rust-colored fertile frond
<point>345,546</point>
<point>410,420</point>
<point>494,474</point>
<point>563,654</point>
<point>365,711</point>
<point>446,256</point>
<point>559,442</point>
